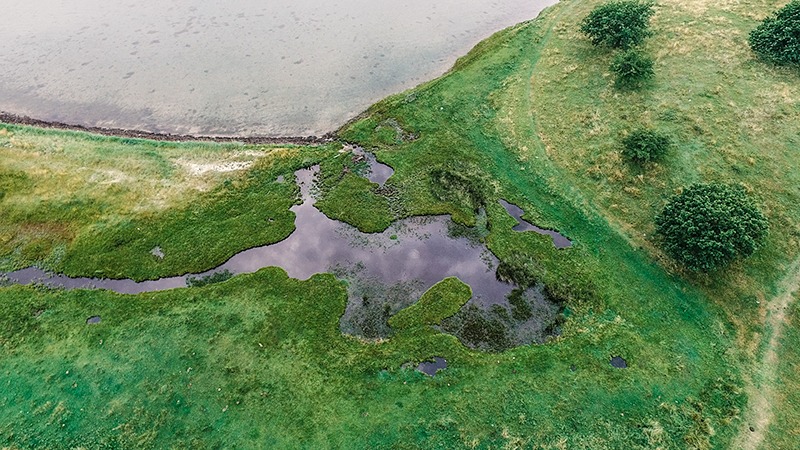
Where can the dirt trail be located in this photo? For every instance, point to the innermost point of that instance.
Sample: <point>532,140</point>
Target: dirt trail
<point>761,383</point>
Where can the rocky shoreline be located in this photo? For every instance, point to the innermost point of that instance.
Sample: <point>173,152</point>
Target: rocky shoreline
<point>16,119</point>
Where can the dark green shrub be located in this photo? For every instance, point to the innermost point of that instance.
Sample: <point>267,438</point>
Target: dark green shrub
<point>777,39</point>
<point>632,68</point>
<point>644,146</point>
<point>618,24</point>
<point>709,225</point>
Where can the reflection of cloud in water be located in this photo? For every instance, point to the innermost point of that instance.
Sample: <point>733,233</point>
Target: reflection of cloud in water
<point>422,250</point>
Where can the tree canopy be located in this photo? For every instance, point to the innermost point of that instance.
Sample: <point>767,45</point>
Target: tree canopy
<point>709,225</point>
<point>777,38</point>
<point>644,145</point>
<point>619,24</point>
<point>633,69</point>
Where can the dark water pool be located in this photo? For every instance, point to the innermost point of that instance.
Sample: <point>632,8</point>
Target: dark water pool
<point>618,362</point>
<point>432,367</point>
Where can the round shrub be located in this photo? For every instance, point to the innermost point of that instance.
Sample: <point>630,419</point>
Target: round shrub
<point>777,38</point>
<point>644,146</point>
<point>633,69</point>
<point>618,24</point>
<point>709,225</point>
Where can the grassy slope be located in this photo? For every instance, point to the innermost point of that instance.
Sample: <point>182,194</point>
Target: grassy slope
<point>559,118</point>
<point>483,121</point>
<point>259,361</point>
<point>733,119</point>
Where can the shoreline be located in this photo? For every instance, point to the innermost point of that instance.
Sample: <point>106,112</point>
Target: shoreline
<point>16,119</point>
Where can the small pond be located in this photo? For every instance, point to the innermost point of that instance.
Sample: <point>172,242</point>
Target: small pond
<point>559,240</point>
<point>618,362</point>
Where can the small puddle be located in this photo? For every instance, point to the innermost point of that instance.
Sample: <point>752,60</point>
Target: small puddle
<point>94,320</point>
<point>559,241</point>
<point>618,362</point>
<point>431,367</point>
<point>376,172</point>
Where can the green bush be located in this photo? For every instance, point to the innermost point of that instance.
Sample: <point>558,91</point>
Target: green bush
<point>644,146</point>
<point>709,225</point>
<point>618,24</point>
<point>633,69</point>
<point>777,39</point>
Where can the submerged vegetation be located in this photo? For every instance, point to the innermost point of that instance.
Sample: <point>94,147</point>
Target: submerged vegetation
<point>216,277</point>
<point>528,116</point>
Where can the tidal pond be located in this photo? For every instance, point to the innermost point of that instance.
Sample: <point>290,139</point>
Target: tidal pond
<point>240,67</point>
<point>385,272</point>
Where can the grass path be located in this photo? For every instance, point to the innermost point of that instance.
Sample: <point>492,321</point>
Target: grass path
<point>761,384</point>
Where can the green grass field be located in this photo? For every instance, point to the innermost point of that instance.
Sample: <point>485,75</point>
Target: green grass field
<point>97,206</point>
<point>530,116</point>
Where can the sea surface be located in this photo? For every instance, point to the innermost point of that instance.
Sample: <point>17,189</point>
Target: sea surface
<point>232,67</point>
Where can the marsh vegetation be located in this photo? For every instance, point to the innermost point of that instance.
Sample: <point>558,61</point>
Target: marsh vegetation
<point>530,116</point>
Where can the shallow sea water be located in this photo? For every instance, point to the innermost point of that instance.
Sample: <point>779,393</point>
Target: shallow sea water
<point>239,67</point>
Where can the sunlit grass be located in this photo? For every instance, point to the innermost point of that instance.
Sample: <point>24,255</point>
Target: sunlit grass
<point>92,205</point>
